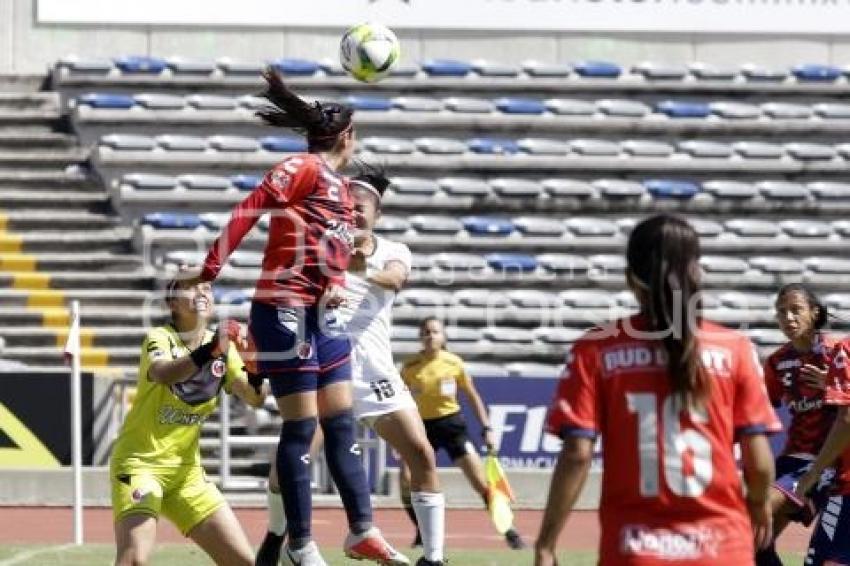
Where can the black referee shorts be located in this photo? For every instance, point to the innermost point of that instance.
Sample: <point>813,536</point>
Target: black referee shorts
<point>449,433</point>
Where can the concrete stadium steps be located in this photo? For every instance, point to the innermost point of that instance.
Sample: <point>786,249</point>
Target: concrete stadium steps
<point>94,316</point>
<point>16,198</point>
<point>76,279</point>
<point>97,337</point>
<point>20,220</point>
<point>111,239</point>
<point>19,101</point>
<point>44,159</point>
<point>92,358</point>
<point>45,263</point>
<point>17,139</point>
<point>124,299</point>
<point>73,178</point>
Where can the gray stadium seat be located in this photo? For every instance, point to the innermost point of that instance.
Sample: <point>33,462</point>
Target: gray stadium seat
<point>464,186</point>
<point>647,148</point>
<point>564,263</point>
<point>608,264</point>
<point>251,102</point>
<point>836,265</point>
<point>234,67</point>
<point>505,335</point>
<point>414,186</point>
<point>844,150</point>
<point>592,227</point>
<point>387,145</point>
<point>182,66</point>
<point>587,299</point>
<point>782,190</point>
<point>539,69</point>
<point>722,189</point>
<point>723,264</point>
<point>842,227</point>
<point>494,69</point>
<point>174,142</point>
<point>829,190</point>
<point>204,182</point>
<point>706,149</point>
<point>570,107</point>
<point>426,297</point>
<point>155,101</point>
<point>440,146</point>
<point>211,102</point>
<point>627,300</point>
<point>538,146</point>
<point>706,228</point>
<point>391,225</point>
<point>183,257</point>
<point>532,370</point>
<point>839,301</point>
<point>246,259</point>
<point>767,337</point>
<point>735,110</point>
<point>568,188</point>
<point>516,188</point>
<point>834,110</point>
<point>459,262</point>
<point>709,72</point>
<point>623,108</point>
<point>758,150</point>
<point>810,151</point>
<point>752,228</point>
<point>475,298</point>
<point>806,228</point>
<point>237,144</point>
<point>777,265</point>
<point>786,111</point>
<point>660,71</point>
<point>417,104</point>
<point>557,335</point>
<point>530,298</point>
<point>485,369</point>
<point>596,148</point>
<point>149,181</point>
<point>435,224</point>
<point>128,142</point>
<point>403,333</point>
<point>214,221</point>
<point>745,301</point>
<point>87,65</point>
<point>759,73</point>
<point>619,188</point>
<point>538,226</point>
<point>469,105</point>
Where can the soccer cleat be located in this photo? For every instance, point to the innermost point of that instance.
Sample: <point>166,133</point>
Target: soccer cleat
<point>269,552</point>
<point>423,562</point>
<point>306,556</point>
<point>514,540</point>
<point>372,546</point>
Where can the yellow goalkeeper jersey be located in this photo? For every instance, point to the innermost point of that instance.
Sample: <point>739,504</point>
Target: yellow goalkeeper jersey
<point>163,427</point>
<point>434,381</point>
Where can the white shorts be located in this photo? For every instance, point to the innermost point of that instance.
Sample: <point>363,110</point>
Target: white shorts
<point>377,387</point>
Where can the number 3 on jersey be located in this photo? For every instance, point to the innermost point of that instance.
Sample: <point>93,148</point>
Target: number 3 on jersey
<point>677,446</point>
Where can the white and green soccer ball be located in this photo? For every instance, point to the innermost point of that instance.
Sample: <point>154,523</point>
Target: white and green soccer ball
<point>369,51</point>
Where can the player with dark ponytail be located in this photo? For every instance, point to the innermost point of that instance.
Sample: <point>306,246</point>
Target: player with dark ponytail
<point>795,375</point>
<point>293,324</point>
<point>669,394</point>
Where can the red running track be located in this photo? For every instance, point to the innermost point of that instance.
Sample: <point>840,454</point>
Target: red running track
<point>465,528</point>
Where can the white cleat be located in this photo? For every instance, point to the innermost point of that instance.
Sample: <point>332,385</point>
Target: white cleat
<point>371,545</point>
<point>306,556</point>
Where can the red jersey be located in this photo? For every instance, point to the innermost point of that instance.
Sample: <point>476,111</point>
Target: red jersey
<point>671,493</point>
<point>838,395</point>
<point>309,240</point>
<point>811,421</point>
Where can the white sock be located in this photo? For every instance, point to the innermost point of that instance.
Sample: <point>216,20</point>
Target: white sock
<point>430,509</point>
<point>277,517</point>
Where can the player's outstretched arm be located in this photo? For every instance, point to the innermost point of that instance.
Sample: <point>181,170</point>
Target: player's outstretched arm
<point>759,475</point>
<point>393,276</point>
<point>480,410</point>
<point>567,483</point>
<point>246,392</point>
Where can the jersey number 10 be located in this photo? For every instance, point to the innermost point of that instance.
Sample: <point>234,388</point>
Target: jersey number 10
<point>676,444</point>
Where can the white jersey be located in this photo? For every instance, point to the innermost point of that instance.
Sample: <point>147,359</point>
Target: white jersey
<point>367,315</point>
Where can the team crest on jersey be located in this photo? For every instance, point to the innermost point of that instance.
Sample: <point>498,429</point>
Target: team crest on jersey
<point>138,495</point>
<point>279,179</point>
<point>304,350</point>
<point>218,368</point>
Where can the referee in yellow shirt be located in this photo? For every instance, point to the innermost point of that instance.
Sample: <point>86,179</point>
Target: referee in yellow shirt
<point>434,377</point>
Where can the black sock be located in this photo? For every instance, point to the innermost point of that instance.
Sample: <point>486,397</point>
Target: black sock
<point>293,465</point>
<point>347,471</point>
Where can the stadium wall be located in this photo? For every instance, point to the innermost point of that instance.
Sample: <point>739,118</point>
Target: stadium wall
<point>29,47</point>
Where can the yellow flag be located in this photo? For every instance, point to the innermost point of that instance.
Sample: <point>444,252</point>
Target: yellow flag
<point>500,494</point>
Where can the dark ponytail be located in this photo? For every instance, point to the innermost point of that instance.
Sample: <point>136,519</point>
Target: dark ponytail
<point>323,124</point>
<point>814,302</point>
<point>663,260</point>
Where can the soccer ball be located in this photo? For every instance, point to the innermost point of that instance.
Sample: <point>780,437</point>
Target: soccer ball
<point>369,51</point>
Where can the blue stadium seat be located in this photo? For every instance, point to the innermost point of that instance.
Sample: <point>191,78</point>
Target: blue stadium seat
<point>229,296</point>
<point>683,109</point>
<point>520,106</point>
<point>511,262</point>
<point>172,220</point>
<point>488,225</point>
<point>446,68</point>
<point>246,182</point>
<point>296,67</point>
<point>141,64</point>
<point>497,146</point>
<point>284,144</point>
<point>816,73</point>
<point>106,100</point>
<point>597,69</point>
<point>671,188</point>
<point>369,103</point>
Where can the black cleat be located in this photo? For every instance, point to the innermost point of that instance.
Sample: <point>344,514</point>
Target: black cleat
<point>417,541</point>
<point>513,539</point>
<point>269,552</point>
<point>423,562</point>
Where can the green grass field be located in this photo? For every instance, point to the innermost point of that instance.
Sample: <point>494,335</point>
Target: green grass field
<point>187,555</point>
